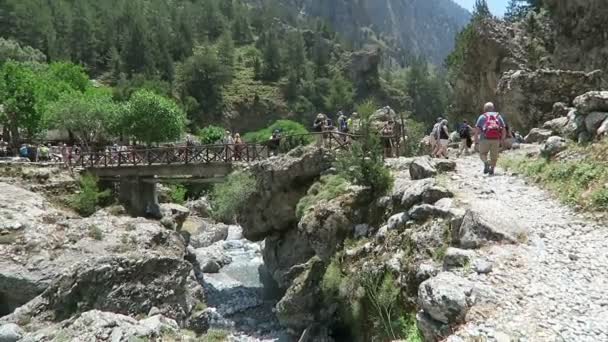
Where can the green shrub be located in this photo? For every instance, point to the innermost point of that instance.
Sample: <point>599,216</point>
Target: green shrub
<point>177,193</point>
<point>294,134</point>
<point>228,198</point>
<point>95,233</point>
<point>86,200</point>
<point>326,188</point>
<point>211,135</point>
<point>415,132</point>
<point>332,280</point>
<point>364,163</point>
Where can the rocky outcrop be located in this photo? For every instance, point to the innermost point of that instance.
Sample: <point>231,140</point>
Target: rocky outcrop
<point>553,146</point>
<point>527,97</point>
<point>480,226</point>
<point>281,182</point>
<point>538,135</point>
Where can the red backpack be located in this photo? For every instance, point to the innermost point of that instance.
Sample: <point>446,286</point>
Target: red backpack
<point>492,127</point>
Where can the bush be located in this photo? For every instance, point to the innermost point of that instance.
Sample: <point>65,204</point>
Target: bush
<point>326,188</point>
<point>415,132</point>
<point>364,164</point>
<point>210,135</point>
<point>86,200</point>
<point>177,193</point>
<point>228,198</point>
<point>294,134</point>
<point>95,233</point>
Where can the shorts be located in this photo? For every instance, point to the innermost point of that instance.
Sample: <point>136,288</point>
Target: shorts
<point>489,146</point>
<point>444,142</point>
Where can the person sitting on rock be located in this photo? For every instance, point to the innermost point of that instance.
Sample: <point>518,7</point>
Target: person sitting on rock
<point>489,134</point>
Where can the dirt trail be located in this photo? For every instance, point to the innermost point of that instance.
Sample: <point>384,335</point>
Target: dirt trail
<point>554,287</point>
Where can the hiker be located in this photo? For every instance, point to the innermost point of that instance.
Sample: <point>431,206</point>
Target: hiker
<point>228,145</point>
<point>343,126</point>
<point>23,151</point>
<point>318,127</point>
<point>489,133</point>
<point>43,152</point>
<point>433,137</point>
<point>238,147</point>
<point>386,135</point>
<point>509,139</point>
<point>274,143</point>
<point>353,123</point>
<point>443,140</point>
<point>466,138</point>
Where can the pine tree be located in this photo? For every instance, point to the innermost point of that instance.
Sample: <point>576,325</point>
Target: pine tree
<point>272,58</point>
<point>481,9</point>
<point>137,48</point>
<point>241,30</point>
<point>296,53</point>
<point>226,52</point>
<point>84,41</point>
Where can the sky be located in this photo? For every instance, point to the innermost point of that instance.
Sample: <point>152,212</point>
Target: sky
<point>496,6</point>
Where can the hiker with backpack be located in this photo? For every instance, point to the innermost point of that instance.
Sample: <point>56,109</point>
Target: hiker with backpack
<point>433,137</point>
<point>489,135</point>
<point>443,140</point>
<point>466,138</point>
<point>318,127</point>
<point>343,126</point>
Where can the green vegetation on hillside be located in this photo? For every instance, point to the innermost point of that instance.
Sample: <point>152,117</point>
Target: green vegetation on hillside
<point>85,201</point>
<point>293,134</point>
<point>227,198</point>
<point>578,182</point>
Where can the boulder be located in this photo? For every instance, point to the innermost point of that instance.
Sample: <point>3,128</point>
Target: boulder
<point>436,193</point>
<point>553,146</point>
<point>208,233</point>
<point>424,212</point>
<point>560,110</point>
<point>455,257</point>
<point>361,230</point>
<point>410,193</point>
<point>444,165</point>
<point>482,266</point>
<point>576,124</point>
<point>594,120</point>
<point>481,226</point>
<point>10,332</point>
<point>556,125</point>
<point>431,329</point>
<point>296,310</point>
<point>211,259</point>
<point>446,298</point>
<point>425,271</point>
<point>281,183</point>
<point>201,207</point>
<point>603,130</point>
<point>284,253</point>
<point>538,135</point>
<point>584,137</point>
<point>593,101</point>
<point>176,213</point>
<point>422,168</point>
<point>398,221</point>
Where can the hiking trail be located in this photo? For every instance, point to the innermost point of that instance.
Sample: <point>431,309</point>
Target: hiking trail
<point>551,287</point>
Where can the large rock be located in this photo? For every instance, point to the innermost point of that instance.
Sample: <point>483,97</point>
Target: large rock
<point>553,146</point>
<point>297,309</point>
<point>10,332</point>
<point>212,258</point>
<point>538,135</point>
<point>208,233</point>
<point>575,125</point>
<point>481,226</point>
<point>175,215</point>
<point>593,101</point>
<point>284,254</point>
<point>436,193</point>
<point>594,120</point>
<point>603,130</point>
<point>281,182</point>
<point>431,329</point>
<point>455,257</point>
<point>424,212</point>
<point>556,125</point>
<point>200,207</point>
<point>446,298</point>
<point>407,193</point>
<point>422,168</point>
<point>528,96</point>
<point>94,325</point>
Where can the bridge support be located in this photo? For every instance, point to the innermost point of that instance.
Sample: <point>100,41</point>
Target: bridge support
<point>139,197</point>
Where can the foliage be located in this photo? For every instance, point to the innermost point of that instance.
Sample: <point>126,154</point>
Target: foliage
<point>574,182</point>
<point>481,9</point>
<point>415,132</point>
<point>152,118</point>
<point>177,193</point>
<point>364,164</point>
<point>91,116</point>
<point>228,198</point>
<point>341,94</point>
<point>89,196</point>
<point>327,188</point>
<point>210,135</point>
<point>12,50</point>
<point>426,89</point>
<point>293,134</point>
<point>95,233</point>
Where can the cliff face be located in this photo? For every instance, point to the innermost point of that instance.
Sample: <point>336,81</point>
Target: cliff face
<point>525,67</point>
<point>405,27</point>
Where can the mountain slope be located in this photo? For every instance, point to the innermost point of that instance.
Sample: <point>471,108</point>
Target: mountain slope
<point>406,27</point>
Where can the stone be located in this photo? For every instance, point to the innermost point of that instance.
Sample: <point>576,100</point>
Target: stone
<point>576,124</point>
<point>361,230</point>
<point>208,233</point>
<point>482,266</point>
<point>446,298</point>
<point>234,233</point>
<point>444,165</point>
<point>282,252</point>
<point>199,321</point>
<point>201,207</point>
<point>455,257</point>
<point>412,192</point>
<point>431,329</point>
<point>424,212</point>
<point>397,221</point>
<point>538,135</point>
<point>556,125</point>
<point>176,212</point>
<point>584,137</point>
<point>603,130</point>
<point>560,110</point>
<point>154,311</point>
<point>553,146</point>
<point>382,233</point>
<point>10,332</point>
<point>211,259</point>
<point>211,266</point>
<point>480,227</point>
<point>425,271</point>
<point>592,101</point>
<point>422,168</point>
<point>445,203</point>
<point>594,120</point>
<point>436,193</point>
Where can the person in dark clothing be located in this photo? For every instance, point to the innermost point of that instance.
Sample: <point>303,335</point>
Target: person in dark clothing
<point>466,138</point>
<point>318,126</point>
<point>274,142</point>
<point>444,139</point>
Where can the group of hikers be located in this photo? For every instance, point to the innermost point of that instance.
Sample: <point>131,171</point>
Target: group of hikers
<point>44,152</point>
<point>489,137</point>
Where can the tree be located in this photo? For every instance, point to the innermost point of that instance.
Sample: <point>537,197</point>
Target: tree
<point>271,70</point>
<point>296,53</point>
<point>226,52</point>
<point>241,30</point>
<point>92,116</point>
<point>426,91</point>
<point>481,9</point>
<point>149,117</point>
<point>10,49</point>
<point>84,41</point>
<point>341,94</point>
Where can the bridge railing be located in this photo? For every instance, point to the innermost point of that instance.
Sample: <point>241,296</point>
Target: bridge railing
<point>203,154</point>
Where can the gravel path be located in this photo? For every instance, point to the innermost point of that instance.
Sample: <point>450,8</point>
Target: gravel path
<point>554,287</point>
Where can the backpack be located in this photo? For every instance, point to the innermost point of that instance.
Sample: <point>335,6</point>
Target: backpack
<point>343,124</point>
<point>492,127</point>
<point>464,132</point>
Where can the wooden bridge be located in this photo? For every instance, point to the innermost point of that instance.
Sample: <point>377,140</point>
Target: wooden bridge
<point>137,170</point>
